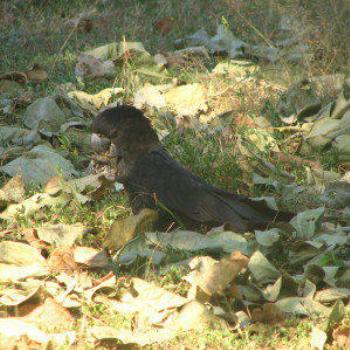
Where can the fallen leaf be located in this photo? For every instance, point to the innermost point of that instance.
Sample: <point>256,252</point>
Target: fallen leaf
<point>336,316</point>
<point>82,189</point>
<point>269,313</point>
<point>51,316</point>
<point>306,223</point>
<point>223,42</point>
<point>272,291</point>
<point>62,259</point>
<point>33,204</point>
<point>92,103</point>
<point>187,100</point>
<point>332,294</point>
<point>16,327</point>
<point>37,74</point>
<point>38,165</point>
<point>13,191</point>
<point>20,254</point>
<point>302,307</point>
<point>16,76</point>
<point>162,314</point>
<point>262,270</point>
<point>318,338</point>
<point>122,231</point>
<point>44,115</point>
<point>160,60</point>
<point>12,273</point>
<point>143,296</point>
<point>226,241</point>
<point>15,136</point>
<point>19,293</point>
<point>138,248</point>
<point>151,96</point>
<point>213,276</point>
<point>61,234</point>
<point>192,316</point>
<point>133,50</point>
<point>90,257</point>
<point>267,238</point>
<point>19,260</point>
<point>90,67</point>
<point>107,282</point>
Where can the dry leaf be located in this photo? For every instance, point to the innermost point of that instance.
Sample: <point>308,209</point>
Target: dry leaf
<point>37,74</point>
<point>90,257</point>
<point>90,67</point>
<point>93,103</point>
<point>62,259</point>
<point>20,293</point>
<point>213,276</point>
<point>19,77</point>
<point>33,204</point>
<point>13,191</point>
<point>122,231</point>
<point>187,100</point>
<point>32,238</point>
<point>108,281</point>
<point>50,316</point>
<point>16,327</point>
<point>146,297</point>
<point>61,234</point>
<point>318,338</point>
<point>269,313</point>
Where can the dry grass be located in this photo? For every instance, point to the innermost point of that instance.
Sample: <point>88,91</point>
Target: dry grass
<point>35,31</point>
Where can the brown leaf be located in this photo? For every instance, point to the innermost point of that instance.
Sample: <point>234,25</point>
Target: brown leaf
<point>213,276</point>
<point>14,328</point>
<point>269,313</point>
<point>13,191</point>
<point>32,238</point>
<point>62,259</point>
<point>91,257</point>
<point>51,316</point>
<point>122,231</point>
<point>19,77</point>
<point>89,67</point>
<point>96,101</point>
<point>37,74</point>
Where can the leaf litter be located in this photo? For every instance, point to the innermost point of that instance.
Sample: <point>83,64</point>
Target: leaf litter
<point>241,269</point>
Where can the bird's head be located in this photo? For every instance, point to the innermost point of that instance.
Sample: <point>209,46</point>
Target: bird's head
<point>122,134</point>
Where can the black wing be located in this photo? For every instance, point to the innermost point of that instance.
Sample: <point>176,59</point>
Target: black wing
<point>183,192</point>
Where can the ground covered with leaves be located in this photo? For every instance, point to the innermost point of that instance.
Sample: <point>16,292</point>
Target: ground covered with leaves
<point>252,96</point>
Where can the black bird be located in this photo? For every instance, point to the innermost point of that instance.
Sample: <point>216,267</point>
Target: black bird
<point>153,179</point>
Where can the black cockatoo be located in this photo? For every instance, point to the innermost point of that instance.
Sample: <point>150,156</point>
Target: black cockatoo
<point>153,179</point>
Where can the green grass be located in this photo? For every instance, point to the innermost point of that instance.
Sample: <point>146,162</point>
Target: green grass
<point>38,33</point>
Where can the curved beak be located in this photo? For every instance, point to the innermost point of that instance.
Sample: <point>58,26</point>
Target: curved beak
<point>99,144</point>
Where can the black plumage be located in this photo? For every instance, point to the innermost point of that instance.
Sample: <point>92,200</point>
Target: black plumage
<point>153,179</point>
